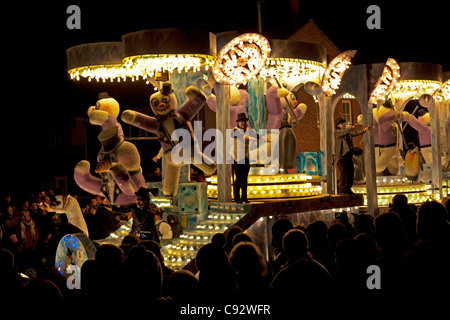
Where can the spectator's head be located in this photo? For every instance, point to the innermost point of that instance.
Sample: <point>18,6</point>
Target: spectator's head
<point>144,273</point>
<point>336,232</point>
<point>210,251</point>
<point>109,256</point>
<point>316,232</point>
<point>130,239</point>
<point>432,220</point>
<point>10,210</point>
<point>219,238</point>
<point>389,232</point>
<point>295,244</point>
<point>231,232</point>
<point>241,237</point>
<point>364,223</point>
<point>154,247</point>
<point>399,200</point>
<point>180,284</point>
<point>279,229</point>
<point>247,259</point>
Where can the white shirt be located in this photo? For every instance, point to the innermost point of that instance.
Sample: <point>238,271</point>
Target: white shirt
<point>164,229</point>
<point>73,212</point>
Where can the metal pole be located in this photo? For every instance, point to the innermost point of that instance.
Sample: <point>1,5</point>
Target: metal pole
<point>258,6</point>
<point>222,124</point>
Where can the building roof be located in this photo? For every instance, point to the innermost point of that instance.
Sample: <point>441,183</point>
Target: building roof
<point>311,33</point>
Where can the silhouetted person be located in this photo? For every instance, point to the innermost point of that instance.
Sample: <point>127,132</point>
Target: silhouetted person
<point>335,233</point>
<point>182,286</point>
<point>317,238</point>
<point>279,229</point>
<point>209,251</point>
<point>108,258</point>
<point>400,206</point>
<point>142,276</point>
<point>424,271</point>
<point>231,232</point>
<point>364,223</point>
<point>392,241</point>
<point>302,277</point>
<point>219,238</point>
<point>217,282</point>
<point>351,265</point>
<point>241,237</point>
<point>252,274</point>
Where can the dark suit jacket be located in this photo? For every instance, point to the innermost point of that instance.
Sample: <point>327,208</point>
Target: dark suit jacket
<point>343,140</point>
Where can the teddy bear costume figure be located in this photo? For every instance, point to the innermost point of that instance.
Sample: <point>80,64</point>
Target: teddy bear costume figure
<point>276,106</point>
<point>385,133</point>
<point>238,104</point>
<point>167,119</point>
<point>422,125</point>
<point>118,160</point>
<point>105,112</point>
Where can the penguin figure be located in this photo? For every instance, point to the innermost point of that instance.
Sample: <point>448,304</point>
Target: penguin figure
<point>413,163</point>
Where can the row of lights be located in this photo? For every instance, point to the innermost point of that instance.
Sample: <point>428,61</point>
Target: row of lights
<point>263,179</point>
<point>386,82</point>
<point>301,70</point>
<point>404,88</point>
<point>274,191</point>
<point>335,71</point>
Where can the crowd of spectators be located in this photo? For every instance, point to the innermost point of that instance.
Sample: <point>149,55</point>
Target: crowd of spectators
<point>311,267</point>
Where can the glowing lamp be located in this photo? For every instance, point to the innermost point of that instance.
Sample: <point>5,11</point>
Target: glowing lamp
<point>335,71</point>
<point>100,61</point>
<point>415,88</point>
<point>168,50</point>
<point>241,59</point>
<point>443,93</point>
<point>386,82</point>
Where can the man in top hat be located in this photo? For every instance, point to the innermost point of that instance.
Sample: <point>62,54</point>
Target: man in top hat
<point>241,167</point>
<point>143,214</point>
<point>344,151</point>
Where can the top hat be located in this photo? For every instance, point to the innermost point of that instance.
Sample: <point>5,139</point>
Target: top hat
<point>339,120</point>
<point>241,117</point>
<point>103,95</point>
<point>110,139</point>
<point>388,104</point>
<point>421,113</point>
<point>142,194</point>
<point>166,88</point>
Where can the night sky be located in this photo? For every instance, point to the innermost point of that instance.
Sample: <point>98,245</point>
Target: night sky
<point>38,94</point>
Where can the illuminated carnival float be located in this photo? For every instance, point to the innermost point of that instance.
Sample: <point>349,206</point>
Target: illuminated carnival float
<point>228,74</point>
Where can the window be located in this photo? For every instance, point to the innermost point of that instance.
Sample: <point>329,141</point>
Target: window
<point>347,110</point>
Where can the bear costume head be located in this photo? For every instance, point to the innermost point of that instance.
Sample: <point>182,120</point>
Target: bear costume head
<point>383,109</point>
<point>291,98</point>
<point>105,108</point>
<point>164,101</point>
<point>423,117</point>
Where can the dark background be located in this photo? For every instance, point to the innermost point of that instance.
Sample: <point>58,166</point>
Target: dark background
<point>39,102</point>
